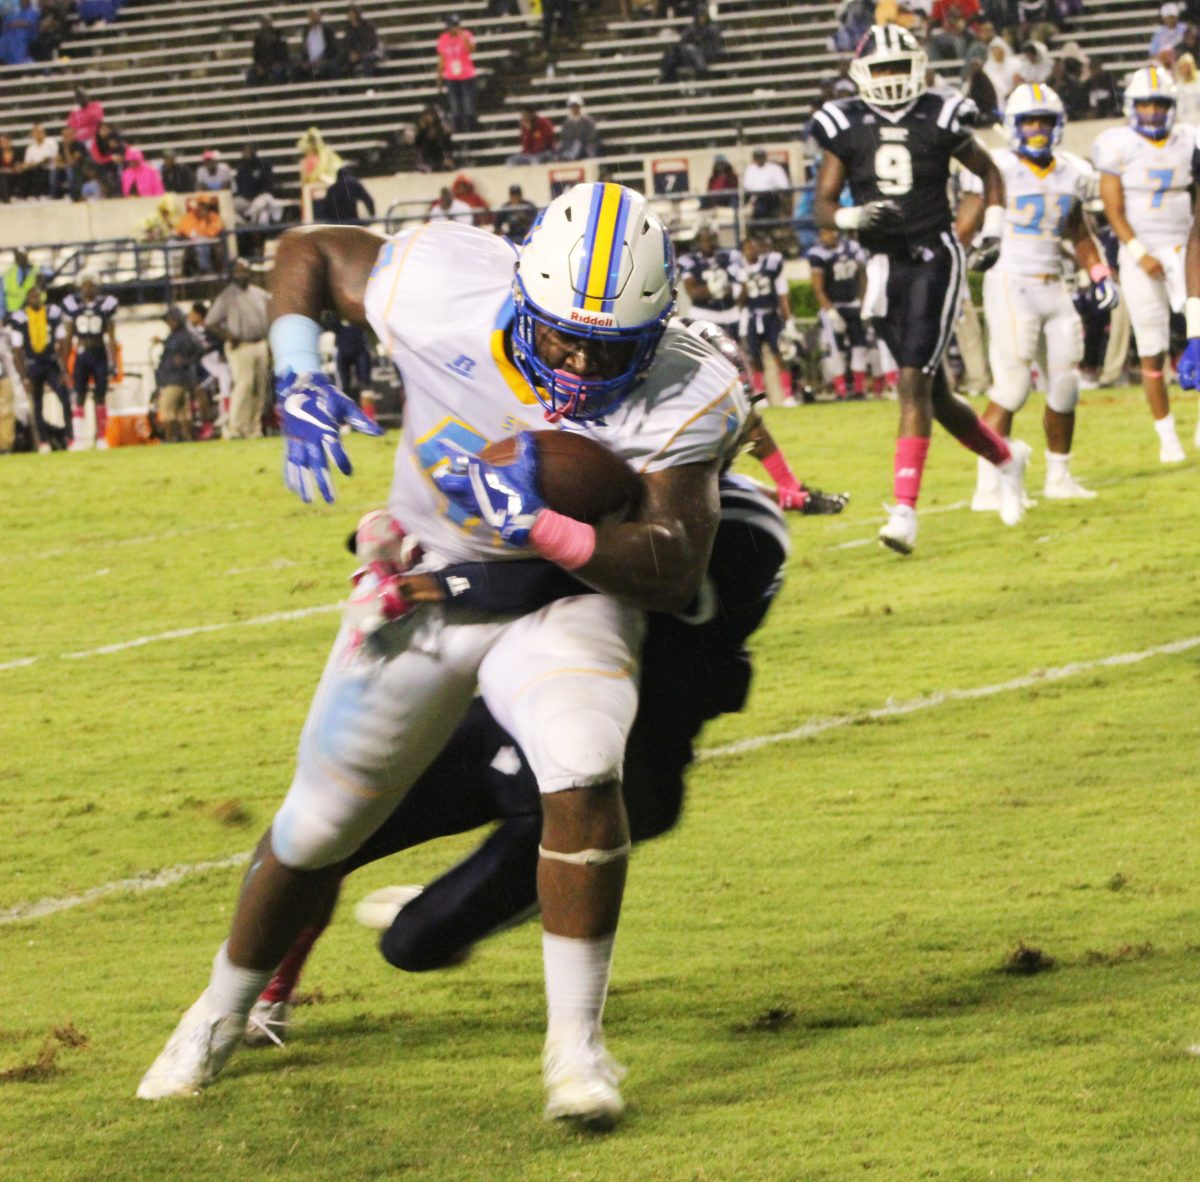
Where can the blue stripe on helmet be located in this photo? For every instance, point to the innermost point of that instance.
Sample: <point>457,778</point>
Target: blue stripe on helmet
<point>589,245</point>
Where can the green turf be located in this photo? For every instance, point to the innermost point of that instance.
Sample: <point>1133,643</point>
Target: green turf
<point>810,973</point>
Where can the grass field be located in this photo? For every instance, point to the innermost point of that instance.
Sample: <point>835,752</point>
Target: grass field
<point>810,978</point>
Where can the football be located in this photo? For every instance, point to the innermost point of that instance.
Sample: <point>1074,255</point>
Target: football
<point>577,476</point>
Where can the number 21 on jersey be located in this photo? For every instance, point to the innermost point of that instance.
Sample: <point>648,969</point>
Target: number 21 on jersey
<point>1029,210</point>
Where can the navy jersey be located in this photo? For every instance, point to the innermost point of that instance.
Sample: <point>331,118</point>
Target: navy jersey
<point>27,335</point>
<point>763,282</point>
<point>716,271</point>
<point>91,320</point>
<point>903,157</point>
<point>840,267</point>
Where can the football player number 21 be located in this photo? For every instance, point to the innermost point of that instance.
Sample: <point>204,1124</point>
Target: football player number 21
<point>1030,212</point>
<point>893,169</point>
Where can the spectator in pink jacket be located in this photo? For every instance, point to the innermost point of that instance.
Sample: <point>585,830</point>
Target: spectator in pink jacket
<point>140,179</point>
<point>85,116</point>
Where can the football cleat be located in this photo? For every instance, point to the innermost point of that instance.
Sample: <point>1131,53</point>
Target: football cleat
<point>1012,483</point>
<point>581,1080</point>
<point>194,1054</point>
<point>987,488</point>
<point>267,1024</point>
<point>899,532</point>
<point>1171,452</point>
<point>1066,488</point>
<point>379,909</point>
<point>821,504</point>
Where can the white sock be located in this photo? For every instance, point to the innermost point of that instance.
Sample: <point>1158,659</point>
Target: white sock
<point>577,974</point>
<point>1056,465</point>
<point>1166,429</point>
<point>233,990</point>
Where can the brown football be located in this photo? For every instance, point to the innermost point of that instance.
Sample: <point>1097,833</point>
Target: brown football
<point>576,475</point>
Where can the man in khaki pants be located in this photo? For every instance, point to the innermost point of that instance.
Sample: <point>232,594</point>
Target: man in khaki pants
<point>238,316</point>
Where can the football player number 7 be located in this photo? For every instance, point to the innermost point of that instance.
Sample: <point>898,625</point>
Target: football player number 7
<point>1162,177</point>
<point>893,169</point>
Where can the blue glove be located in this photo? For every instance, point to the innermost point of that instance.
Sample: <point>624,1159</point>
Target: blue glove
<point>312,409</point>
<point>1188,370</point>
<point>1105,295</point>
<point>506,498</point>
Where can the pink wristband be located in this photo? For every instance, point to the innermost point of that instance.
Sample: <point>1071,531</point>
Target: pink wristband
<point>1100,271</point>
<point>563,540</point>
<point>778,470</point>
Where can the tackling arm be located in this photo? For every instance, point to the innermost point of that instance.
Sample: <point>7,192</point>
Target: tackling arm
<point>324,268</point>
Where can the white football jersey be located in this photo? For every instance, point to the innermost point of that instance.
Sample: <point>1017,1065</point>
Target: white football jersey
<point>1037,203</point>
<point>440,300</point>
<point>1155,178</point>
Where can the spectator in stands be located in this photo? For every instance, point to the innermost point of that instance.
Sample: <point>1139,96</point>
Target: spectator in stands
<point>19,280</point>
<point>969,10</point>
<point>856,17</point>
<point>202,226</point>
<point>319,163</point>
<point>1067,80</point>
<point>538,139</point>
<point>213,174</point>
<point>560,13</point>
<point>431,139</point>
<point>240,318</point>
<point>254,199</point>
<point>107,151</point>
<point>515,216</point>
<point>1187,90</point>
<point>464,190</point>
<point>41,163</point>
<point>17,35</point>
<point>270,61</point>
<point>85,117</point>
<point>177,375</point>
<point>998,70</point>
<point>1032,64</point>
<point>1171,32</point>
<point>699,46</point>
<point>343,197</point>
<point>139,179</point>
<point>10,170</point>
<point>722,181</point>
<point>72,157</point>
<point>360,45</point>
<point>578,138</point>
<point>952,41</point>
<point>767,187</point>
<point>456,72</point>
<point>318,50</point>
<point>54,25</point>
<point>160,225</point>
<point>176,177</point>
<point>94,185</point>
<point>1104,100</point>
<point>448,207</point>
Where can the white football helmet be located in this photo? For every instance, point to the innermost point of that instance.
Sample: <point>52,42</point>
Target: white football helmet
<point>889,45</point>
<point>1026,101</point>
<point>597,263</point>
<point>1151,84</point>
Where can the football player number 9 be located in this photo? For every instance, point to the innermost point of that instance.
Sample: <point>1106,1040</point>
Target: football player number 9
<point>893,169</point>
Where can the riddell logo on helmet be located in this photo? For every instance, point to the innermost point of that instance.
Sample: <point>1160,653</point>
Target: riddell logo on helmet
<point>584,318</point>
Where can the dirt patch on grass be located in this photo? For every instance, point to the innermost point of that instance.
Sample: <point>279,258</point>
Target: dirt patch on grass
<point>1123,955</point>
<point>768,1021</point>
<point>46,1062</point>
<point>1026,961</point>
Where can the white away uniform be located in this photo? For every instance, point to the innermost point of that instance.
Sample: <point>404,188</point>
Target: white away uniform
<point>1023,294</point>
<point>561,680</point>
<point>1154,178</point>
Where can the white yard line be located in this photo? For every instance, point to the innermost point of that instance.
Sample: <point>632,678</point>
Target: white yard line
<point>154,880</point>
<point>143,540</point>
<point>177,634</point>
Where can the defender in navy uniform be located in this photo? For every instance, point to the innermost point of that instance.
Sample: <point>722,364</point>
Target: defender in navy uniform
<point>34,330</point>
<point>766,311</point>
<point>894,144</point>
<point>708,272</point>
<point>695,666</point>
<point>837,268</point>
<point>90,318</point>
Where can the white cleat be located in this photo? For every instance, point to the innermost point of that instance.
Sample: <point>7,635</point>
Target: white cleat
<point>581,1080</point>
<point>987,488</point>
<point>1012,483</point>
<point>1066,488</point>
<point>899,532</point>
<point>267,1024</point>
<point>378,909</point>
<point>1171,452</point>
<point>194,1054</point>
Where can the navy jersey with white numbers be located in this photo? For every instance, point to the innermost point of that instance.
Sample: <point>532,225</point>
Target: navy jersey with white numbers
<point>90,319</point>
<point>763,282</point>
<point>716,272</point>
<point>840,266</point>
<point>902,156</point>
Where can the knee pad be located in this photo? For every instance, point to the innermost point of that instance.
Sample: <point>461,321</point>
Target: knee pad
<point>1062,395</point>
<point>305,836</point>
<point>1010,384</point>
